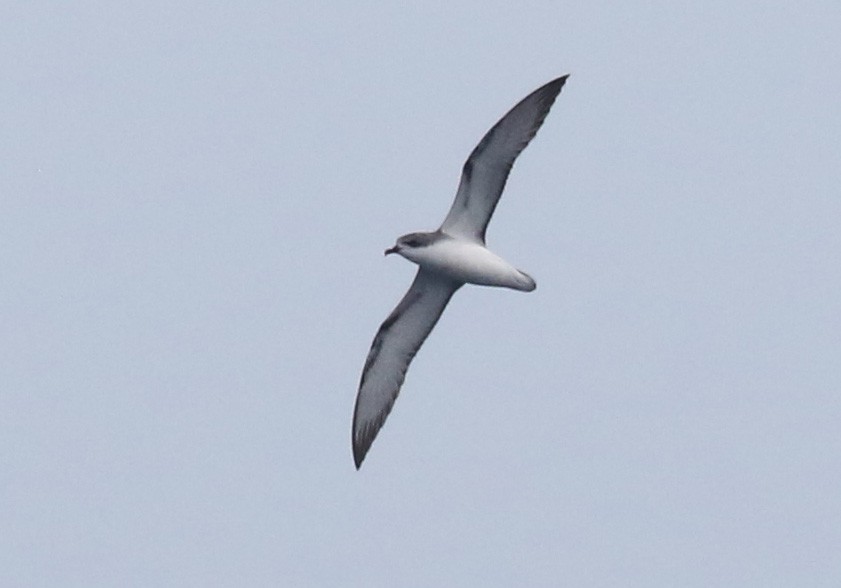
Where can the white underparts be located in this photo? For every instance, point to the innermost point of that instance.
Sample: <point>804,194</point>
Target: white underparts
<point>466,261</point>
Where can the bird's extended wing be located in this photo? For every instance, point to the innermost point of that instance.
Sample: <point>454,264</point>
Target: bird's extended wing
<point>486,170</point>
<point>396,343</point>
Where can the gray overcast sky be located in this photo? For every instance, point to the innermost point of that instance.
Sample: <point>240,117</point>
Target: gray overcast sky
<point>194,201</point>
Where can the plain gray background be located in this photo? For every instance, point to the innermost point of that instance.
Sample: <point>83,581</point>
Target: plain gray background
<point>194,201</point>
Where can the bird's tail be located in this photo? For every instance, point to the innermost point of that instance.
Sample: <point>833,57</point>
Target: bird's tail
<point>525,283</point>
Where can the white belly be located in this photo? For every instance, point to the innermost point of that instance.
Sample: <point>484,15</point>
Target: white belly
<point>470,262</point>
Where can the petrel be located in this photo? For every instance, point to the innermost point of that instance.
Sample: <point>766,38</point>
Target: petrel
<point>448,258</point>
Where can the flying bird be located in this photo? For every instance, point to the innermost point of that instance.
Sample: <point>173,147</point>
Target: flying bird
<point>448,258</point>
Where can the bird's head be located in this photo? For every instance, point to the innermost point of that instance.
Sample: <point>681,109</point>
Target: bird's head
<point>409,245</point>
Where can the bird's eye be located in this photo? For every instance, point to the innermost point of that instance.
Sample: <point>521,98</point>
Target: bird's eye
<point>411,242</point>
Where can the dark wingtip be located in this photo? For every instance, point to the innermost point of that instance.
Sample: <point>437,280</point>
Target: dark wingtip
<point>555,85</point>
<point>360,449</point>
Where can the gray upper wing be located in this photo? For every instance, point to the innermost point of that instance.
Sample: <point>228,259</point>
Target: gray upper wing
<point>486,170</point>
<point>396,343</point>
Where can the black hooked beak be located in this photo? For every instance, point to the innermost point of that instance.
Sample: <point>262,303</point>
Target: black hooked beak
<point>392,250</point>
